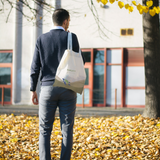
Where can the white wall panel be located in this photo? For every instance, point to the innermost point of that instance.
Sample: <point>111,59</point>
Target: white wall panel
<point>114,56</point>
<point>7,30</point>
<point>27,55</point>
<point>135,97</point>
<point>113,81</point>
<point>135,77</point>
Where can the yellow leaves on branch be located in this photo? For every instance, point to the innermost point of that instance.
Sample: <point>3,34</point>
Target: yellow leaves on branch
<point>134,2</point>
<point>130,8</point>
<point>152,12</point>
<point>120,4</point>
<point>149,3</point>
<point>111,1</point>
<point>126,6</point>
<point>103,1</point>
<point>142,9</point>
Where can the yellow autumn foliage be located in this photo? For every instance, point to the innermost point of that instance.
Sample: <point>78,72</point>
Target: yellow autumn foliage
<point>149,3</point>
<point>120,4</point>
<point>130,8</point>
<point>142,9</point>
<point>103,1</point>
<point>126,6</point>
<point>134,2</point>
<point>152,12</point>
<point>111,1</point>
<point>98,138</point>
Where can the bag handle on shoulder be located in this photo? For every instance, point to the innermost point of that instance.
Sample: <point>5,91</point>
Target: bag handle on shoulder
<point>69,43</point>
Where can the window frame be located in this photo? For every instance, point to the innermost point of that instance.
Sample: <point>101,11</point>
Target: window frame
<point>6,65</point>
<point>105,72</point>
<point>132,64</point>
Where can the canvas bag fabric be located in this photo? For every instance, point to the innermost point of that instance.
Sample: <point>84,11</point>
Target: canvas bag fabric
<point>70,73</point>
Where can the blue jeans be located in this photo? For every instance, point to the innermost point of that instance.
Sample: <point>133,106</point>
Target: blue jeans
<point>50,98</point>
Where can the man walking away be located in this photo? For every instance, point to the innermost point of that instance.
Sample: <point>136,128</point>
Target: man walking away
<point>48,53</point>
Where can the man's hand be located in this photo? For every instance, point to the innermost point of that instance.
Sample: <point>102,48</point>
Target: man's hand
<point>34,98</point>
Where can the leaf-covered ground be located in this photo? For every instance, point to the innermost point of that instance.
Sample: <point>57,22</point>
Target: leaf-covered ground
<point>112,138</point>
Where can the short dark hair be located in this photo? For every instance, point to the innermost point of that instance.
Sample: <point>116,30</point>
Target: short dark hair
<point>59,16</point>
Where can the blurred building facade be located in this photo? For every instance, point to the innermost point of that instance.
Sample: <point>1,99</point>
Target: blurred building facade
<point>113,51</point>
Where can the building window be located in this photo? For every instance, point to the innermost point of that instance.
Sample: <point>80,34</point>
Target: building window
<point>5,77</point>
<point>98,84</point>
<point>87,56</point>
<point>130,31</point>
<point>123,32</point>
<point>5,57</point>
<point>98,56</point>
<point>98,76</point>
<point>126,32</point>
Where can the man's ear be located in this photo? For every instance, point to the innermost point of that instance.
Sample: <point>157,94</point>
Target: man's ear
<point>65,21</point>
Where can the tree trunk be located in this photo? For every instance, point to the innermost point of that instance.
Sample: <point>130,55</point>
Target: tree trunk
<point>152,63</point>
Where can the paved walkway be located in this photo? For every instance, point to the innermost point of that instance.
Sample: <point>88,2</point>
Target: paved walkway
<point>81,112</point>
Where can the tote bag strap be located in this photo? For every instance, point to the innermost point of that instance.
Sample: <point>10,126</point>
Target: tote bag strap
<point>69,45</point>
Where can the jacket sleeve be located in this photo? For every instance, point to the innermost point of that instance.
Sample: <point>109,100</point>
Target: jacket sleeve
<point>75,45</point>
<point>35,68</point>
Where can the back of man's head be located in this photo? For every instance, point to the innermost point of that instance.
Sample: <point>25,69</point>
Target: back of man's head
<point>59,16</point>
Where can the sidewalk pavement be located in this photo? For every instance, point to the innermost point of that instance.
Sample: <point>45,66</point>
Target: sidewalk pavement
<point>80,112</point>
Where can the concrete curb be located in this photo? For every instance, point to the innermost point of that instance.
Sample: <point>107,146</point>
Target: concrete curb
<point>80,112</point>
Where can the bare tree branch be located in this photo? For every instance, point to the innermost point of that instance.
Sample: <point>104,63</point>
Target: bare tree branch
<point>9,10</point>
<point>9,13</point>
<point>32,17</point>
<point>2,2</point>
<point>26,4</point>
<point>101,28</point>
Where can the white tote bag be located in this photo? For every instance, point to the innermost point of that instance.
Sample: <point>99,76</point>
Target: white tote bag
<point>70,72</point>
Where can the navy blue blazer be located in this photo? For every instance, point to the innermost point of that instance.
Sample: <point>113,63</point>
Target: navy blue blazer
<point>49,50</point>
